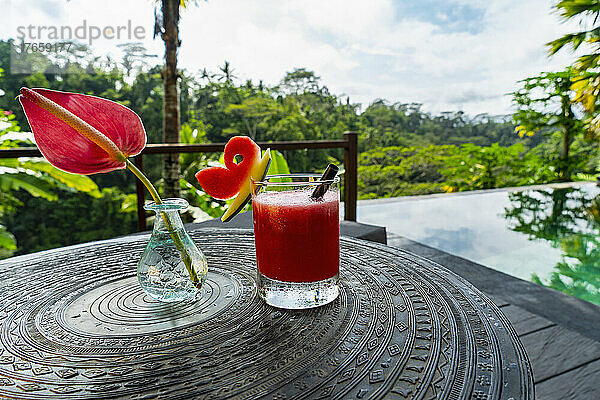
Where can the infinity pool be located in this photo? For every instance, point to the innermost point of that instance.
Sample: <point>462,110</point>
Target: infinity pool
<point>546,234</point>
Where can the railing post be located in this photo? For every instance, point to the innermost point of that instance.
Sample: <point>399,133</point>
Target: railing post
<point>141,195</point>
<point>351,175</point>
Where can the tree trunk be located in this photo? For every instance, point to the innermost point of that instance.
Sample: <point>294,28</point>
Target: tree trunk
<point>171,123</point>
<point>566,144</point>
<point>568,134</point>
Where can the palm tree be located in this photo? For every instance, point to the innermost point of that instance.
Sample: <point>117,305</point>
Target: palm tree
<point>204,74</point>
<point>226,72</point>
<point>586,83</point>
<point>166,25</point>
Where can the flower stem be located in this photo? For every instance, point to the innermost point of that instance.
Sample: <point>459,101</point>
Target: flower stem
<point>185,256</point>
<point>140,175</point>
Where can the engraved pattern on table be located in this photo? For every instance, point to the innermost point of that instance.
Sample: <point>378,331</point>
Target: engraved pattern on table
<point>76,325</point>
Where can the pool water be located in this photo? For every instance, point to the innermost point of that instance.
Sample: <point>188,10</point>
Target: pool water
<point>546,234</point>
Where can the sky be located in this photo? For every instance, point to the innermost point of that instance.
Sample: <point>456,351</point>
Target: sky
<point>449,55</point>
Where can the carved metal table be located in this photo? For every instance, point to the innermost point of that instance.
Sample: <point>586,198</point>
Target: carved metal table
<point>75,324</point>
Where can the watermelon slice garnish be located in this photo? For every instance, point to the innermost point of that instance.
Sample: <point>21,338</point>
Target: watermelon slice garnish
<point>233,180</point>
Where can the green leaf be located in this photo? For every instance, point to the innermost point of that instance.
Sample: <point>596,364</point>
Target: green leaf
<point>81,183</point>
<point>278,164</point>
<point>36,186</point>
<point>7,240</point>
<point>129,203</point>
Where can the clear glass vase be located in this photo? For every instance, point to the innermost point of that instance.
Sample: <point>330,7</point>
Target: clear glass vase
<point>172,268</point>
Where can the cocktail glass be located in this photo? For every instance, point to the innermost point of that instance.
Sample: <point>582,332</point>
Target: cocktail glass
<point>297,240</point>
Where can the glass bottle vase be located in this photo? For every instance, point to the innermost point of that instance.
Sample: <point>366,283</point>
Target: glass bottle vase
<point>172,267</point>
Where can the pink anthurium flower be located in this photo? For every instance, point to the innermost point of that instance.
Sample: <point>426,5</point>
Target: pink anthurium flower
<point>82,134</point>
<point>86,135</point>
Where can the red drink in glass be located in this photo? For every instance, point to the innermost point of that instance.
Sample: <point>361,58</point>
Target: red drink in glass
<point>297,241</point>
<point>297,238</point>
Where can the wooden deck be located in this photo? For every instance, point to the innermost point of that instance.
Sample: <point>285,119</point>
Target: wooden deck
<point>560,333</point>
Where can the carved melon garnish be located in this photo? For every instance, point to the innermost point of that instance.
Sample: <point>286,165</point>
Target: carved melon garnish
<point>234,179</point>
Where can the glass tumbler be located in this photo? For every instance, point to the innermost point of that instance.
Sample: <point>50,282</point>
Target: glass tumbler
<point>297,237</point>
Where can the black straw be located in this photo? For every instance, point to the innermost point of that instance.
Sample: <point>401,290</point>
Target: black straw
<point>328,175</point>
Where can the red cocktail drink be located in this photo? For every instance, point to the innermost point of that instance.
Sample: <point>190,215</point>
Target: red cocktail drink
<point>297,238</point>
<point>297,242</point>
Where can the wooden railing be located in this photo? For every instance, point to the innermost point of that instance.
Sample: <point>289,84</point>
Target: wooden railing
<point>349,144</point>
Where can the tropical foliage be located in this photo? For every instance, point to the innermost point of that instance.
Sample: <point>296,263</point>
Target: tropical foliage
<point>398,171</point>
<point>403,149</point>
<point>545,104</point>
<point>586,79</point>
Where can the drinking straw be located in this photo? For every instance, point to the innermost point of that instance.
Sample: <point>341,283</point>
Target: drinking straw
<point>330,173</point>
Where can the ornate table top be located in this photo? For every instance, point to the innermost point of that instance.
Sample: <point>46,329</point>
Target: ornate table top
<point>75,324</point>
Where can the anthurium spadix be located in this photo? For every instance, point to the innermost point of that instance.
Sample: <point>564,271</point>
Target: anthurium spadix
<point>82,134</point>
